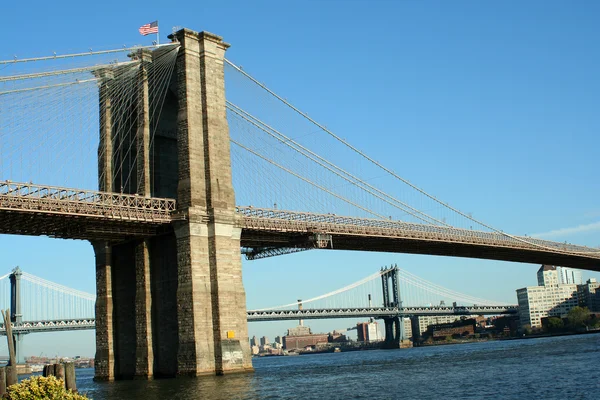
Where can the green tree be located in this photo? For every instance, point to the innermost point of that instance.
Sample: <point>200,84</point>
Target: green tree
<point>526,329</point>
<point>555,324</point>
<point>578,317</point>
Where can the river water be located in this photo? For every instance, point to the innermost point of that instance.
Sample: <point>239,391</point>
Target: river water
<point>565,367</point>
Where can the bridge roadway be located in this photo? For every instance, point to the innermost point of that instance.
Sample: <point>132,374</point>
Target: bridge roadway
<point>280,315</point>
<point>51,326</point>
<point>375,312</point>
<point>29,209</point>
<point>266,227</point>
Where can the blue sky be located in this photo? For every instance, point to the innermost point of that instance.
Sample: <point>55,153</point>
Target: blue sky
<point>491,107</point>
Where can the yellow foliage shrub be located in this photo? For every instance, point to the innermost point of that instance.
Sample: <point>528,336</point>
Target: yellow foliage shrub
<point>39,387</point>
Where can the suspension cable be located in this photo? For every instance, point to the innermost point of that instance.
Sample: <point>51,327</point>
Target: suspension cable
<point>90,53</point>
<point>389,171</point>
<point>344,289</point>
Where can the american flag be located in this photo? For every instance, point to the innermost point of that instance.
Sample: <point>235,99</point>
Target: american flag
<point>147,29</point>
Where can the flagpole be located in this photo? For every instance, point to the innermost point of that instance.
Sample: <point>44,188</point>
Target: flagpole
<point>157,33</point>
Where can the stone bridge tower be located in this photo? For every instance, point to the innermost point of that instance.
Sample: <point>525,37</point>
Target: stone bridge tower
<point>174,303</point>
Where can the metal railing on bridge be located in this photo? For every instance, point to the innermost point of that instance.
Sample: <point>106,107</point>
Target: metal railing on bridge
<point>59,200</point>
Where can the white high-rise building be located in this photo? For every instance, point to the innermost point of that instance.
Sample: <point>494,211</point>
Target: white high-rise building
<point>407,328</point>
<point>547,276</point>
<point>373,332</point>
<point>549,299</point>
<point>569,276</point>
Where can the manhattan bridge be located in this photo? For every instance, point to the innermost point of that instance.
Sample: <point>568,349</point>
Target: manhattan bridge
<point>172,161</point>
<point>37,305</point>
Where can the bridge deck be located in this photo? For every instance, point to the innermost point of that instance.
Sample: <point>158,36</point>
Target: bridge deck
<point>267,227</point>
<point>51,326</point>
<point>375,312</point>
<point>278,315</point>
<point>29,209</point>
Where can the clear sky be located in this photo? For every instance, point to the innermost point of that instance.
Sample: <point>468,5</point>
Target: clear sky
<point>490,106</point>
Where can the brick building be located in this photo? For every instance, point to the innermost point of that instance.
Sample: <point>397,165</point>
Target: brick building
<point>464,327</point>
<point>367,332</point>
<point>302,341</point>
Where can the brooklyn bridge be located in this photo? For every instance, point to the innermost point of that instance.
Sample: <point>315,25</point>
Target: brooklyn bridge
<point>168,228</point>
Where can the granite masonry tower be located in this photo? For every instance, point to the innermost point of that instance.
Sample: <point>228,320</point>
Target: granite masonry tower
<point>174,304</point>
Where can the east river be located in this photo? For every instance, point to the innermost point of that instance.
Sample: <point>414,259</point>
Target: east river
<point>547,368</point>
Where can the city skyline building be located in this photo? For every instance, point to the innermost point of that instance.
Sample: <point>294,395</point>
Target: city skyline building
<point>368,332</point>
<point>264,341</point>
<point>547,276</point>
<point>569,276</point>
<point>588,295</point>
<point>549,299</point>
<point>419,325</point>
<point>407,328</point>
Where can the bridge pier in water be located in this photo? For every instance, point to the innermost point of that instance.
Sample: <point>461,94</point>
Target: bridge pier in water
<point>392,333</point>
<point>174,304</point>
